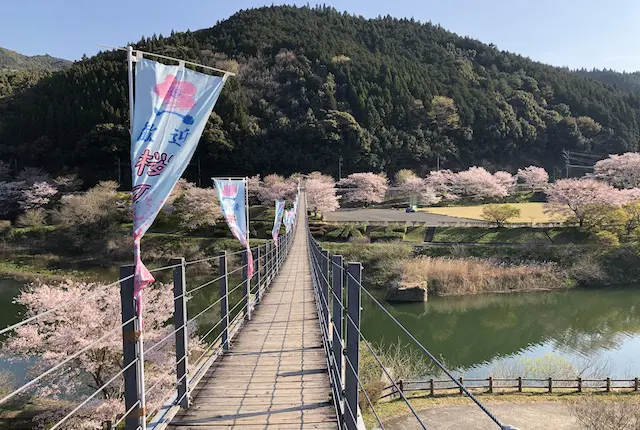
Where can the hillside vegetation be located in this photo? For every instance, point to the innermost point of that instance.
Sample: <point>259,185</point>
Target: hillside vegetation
<point>314,85</point>
<point>11,60</point>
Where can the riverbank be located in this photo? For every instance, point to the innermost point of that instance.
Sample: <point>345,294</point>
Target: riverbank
<point>485,268</point>
<point>523,411</point>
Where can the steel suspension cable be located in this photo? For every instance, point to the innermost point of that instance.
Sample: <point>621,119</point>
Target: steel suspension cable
<point>431,356</point>
<point>59,365</point>
<point>88,399</point>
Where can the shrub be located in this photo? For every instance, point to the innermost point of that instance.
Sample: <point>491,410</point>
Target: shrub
<point>335,232</point>
<point>91,219</point>
<point>386,234</point>
<point>607,239</point>
<point>400,361</point>
<point>359,240</point>
<point>603,414</point>
<point>499,214</point>
<point>32,218</point>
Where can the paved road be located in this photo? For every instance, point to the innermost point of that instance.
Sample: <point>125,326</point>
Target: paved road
<point>524,416</point>
<point>396,215</point>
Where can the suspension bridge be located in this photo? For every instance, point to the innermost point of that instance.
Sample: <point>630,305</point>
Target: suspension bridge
<point>286,352</point>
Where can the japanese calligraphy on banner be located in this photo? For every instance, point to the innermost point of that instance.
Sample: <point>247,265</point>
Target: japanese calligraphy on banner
<point>231,194</point>
<point>172,106</point>
<point>278,220</point>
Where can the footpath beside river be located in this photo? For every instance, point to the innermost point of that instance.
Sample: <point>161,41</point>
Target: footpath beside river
<point>524,416</point>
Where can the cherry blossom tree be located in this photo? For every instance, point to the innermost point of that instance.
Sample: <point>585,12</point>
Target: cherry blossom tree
<point>441,181</point>
<point>533,176</point>
<point>31,175</point>
<point>477,182</point>
<point>37,196</point>
<point>416,187</point>
<point>629,195</point>
<point>254,190</point>
<point>67,183</point>
<point>197,207</point>
<point>506,179</point>
<point>94,323</point>
<point>275,187</point>
<point>622,171</point>
<point>365,187</point>
<point>573,197</point>
<point>321,193</point>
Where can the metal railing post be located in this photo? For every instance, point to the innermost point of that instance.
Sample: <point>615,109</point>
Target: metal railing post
<point>129,337</point>
<point>354,278</point>
<point>180,325</point>
<point>325,288</point>
<point>270,262</point>
<point>224,301</point>
<point>259,259</point>
<point>245,285</point>
<point>337,277</point>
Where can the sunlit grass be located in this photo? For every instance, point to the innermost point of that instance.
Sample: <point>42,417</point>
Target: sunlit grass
<point>529,212</point>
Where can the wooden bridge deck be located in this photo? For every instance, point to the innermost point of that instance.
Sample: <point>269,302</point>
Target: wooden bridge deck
<point>275,374</point>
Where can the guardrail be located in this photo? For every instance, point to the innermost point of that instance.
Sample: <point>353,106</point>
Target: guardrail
<point>338,289</point>
<point>478,223</point>
<point>519,384</point>
<point>267,260</point>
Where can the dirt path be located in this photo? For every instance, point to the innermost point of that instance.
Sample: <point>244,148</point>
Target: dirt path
<point>524,416</point>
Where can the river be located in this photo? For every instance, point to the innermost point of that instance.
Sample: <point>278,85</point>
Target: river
<point>478,334</point>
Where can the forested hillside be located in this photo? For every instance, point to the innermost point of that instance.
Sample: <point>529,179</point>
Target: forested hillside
<point>314,85</point>
<point>625,81</point>
<point>11,60</point>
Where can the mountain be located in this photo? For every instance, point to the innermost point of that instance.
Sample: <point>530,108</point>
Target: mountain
<point>314,85</point>
<point>11,60</point>
<point>623,80</point>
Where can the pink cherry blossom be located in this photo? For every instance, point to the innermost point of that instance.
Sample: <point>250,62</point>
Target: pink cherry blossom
<point>572,197</point>
<point>321,193</point>
<point>533,176</point>
<point>365,187</point>
<point>94,323</point>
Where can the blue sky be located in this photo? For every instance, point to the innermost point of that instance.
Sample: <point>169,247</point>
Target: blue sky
<point>586,33</point>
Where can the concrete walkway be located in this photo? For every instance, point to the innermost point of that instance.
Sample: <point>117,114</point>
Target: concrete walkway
<point>275,375</point>
<point>524,416</point>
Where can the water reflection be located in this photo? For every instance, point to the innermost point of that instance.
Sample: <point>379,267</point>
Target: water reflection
<point>475,330</point>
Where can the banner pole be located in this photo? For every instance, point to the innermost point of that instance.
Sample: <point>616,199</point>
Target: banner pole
<point>138,324</point>
<point>130,71</point>
<point>249,255</point>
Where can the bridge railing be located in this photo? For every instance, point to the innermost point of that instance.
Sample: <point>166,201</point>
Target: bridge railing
<point>194,354</point>
<point>338,289</point>
<point>193,361</point>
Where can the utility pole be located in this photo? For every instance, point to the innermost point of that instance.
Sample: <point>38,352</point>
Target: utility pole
<point>438,163</point>
<point>199,173</point>
<point>340,168</point>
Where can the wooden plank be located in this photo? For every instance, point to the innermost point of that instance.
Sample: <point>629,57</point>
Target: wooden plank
<point>275,374</point>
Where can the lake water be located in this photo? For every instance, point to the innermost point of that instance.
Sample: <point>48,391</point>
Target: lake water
<point>476,334</point>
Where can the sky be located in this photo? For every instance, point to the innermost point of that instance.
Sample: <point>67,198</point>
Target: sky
<point>577,34</point>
